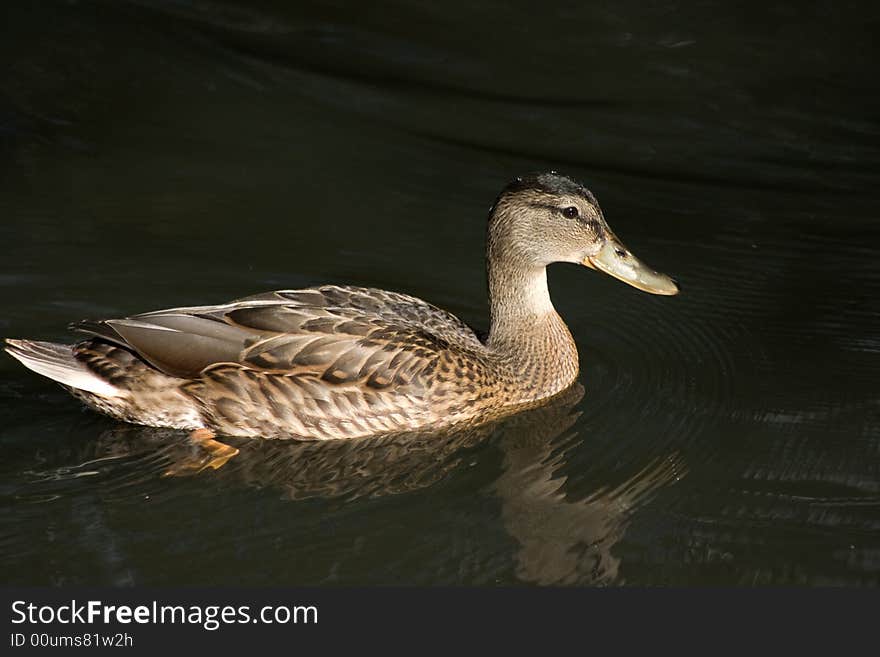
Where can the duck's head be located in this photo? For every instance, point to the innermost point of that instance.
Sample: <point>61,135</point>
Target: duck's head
<point>543,218</point>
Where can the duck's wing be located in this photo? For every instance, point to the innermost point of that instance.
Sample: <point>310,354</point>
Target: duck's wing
<point>340,334</point>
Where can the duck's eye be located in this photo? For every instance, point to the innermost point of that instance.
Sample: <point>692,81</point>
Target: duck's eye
<point>570,212</point>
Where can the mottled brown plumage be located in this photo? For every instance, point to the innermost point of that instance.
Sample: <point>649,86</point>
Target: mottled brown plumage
<point>346,362</point>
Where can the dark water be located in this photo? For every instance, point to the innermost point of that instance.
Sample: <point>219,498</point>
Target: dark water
<point>171,153</point>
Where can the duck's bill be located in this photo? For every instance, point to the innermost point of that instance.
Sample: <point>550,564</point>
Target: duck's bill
<point>615,260</point>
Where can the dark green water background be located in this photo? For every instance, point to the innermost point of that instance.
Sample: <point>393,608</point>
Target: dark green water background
<point>173,153</point>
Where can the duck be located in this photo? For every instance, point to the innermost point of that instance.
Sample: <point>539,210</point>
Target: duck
<point>336,362</point>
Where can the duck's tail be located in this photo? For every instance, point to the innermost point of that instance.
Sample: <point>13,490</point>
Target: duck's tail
<point>59,363</point>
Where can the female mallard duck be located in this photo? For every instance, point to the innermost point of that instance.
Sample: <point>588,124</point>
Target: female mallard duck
<point>346,362</point>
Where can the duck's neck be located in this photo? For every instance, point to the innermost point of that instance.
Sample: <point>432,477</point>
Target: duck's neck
<point>526,332</point>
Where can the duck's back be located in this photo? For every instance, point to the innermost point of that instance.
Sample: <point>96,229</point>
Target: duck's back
<point>324,362</point>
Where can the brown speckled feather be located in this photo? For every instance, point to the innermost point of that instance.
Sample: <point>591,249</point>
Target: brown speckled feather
<point>326,362</point>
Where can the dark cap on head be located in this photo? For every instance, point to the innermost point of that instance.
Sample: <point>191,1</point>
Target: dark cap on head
<point>548,182</point>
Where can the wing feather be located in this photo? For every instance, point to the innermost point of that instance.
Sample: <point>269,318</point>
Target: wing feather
<point>338,334</point>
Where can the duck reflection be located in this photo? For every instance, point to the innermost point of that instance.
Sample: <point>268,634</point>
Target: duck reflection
<point>564,541</point>
<point>560,540</point>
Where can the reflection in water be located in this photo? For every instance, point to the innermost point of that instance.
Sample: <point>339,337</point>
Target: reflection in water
<point>559,540</point>
<point>570,542</point>
<point>566,541</point>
